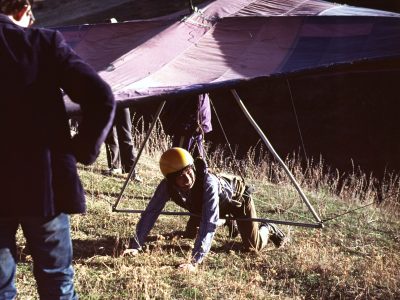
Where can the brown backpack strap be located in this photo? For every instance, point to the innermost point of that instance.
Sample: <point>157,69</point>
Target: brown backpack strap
<point>238,186</point>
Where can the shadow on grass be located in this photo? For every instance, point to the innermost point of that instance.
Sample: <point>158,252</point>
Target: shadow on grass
<point>107,246</point>
<point>83,249</point>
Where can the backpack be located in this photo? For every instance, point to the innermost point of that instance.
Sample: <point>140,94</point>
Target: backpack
<point>236,182</point>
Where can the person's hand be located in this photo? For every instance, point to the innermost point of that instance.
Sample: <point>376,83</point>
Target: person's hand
<point>189,267</point>
<point>130,252</point>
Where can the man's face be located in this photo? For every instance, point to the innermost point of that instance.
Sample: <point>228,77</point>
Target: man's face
<point>28,19</point>
<point>185,180</point>
<point>23,17</point>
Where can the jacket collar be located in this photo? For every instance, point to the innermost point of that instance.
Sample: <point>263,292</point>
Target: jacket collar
<point>5,19</point>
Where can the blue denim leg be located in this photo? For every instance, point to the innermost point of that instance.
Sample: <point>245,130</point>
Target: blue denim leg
<point>50,244</point>
<point>8,229</point>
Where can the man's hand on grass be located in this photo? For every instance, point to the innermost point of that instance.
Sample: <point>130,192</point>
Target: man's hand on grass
<point>130,252</point>
<point>189,267</point>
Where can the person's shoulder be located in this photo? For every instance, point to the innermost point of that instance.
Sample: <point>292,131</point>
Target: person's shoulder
<point>163,183</point>
<point>40,30</point>
<point>29,31</point>
<point>162,189</point>
<point>43,35</point>
<point>210,179</point>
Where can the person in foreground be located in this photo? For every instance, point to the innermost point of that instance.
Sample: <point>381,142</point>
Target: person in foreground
<point>40,184</point>
<point>189,184</point>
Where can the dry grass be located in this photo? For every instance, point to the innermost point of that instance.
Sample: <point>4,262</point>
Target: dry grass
<point>356,256</point>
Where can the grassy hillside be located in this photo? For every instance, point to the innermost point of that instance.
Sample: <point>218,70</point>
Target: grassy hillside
<point>73,12</point>
<point>69,12</point>
<point>356,256</point>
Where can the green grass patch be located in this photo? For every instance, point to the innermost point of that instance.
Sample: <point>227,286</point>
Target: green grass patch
<point>356,256</point>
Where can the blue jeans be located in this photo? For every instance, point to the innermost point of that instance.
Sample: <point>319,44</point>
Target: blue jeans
<point>49,243</point>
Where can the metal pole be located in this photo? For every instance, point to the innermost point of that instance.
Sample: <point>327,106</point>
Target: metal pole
<point>191,7</point>
<point>268,144</point>
<point>159,110</point>
<point>179,213</point>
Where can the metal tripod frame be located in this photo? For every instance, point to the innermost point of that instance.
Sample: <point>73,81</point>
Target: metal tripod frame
<point>319,222</point>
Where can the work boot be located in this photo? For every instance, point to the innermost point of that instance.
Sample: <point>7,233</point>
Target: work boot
<point>136,178</point>
<point>276,235</point>
<point>112,172</point>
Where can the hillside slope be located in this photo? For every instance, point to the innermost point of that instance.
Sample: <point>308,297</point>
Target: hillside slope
<point>73,12</point>
<point>356,256</point>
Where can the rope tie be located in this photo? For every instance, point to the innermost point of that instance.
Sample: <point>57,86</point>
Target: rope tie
<point>237,166</point>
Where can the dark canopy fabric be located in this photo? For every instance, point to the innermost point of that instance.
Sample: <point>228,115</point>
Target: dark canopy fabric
<point>228,42</point>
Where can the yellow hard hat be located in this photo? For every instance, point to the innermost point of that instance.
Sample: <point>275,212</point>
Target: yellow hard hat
<point>174,160</point>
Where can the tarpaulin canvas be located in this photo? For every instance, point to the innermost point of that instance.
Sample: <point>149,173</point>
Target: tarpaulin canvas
<point>227,42</point>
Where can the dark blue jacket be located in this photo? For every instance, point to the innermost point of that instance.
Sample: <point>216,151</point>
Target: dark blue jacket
<point>39,175</point>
